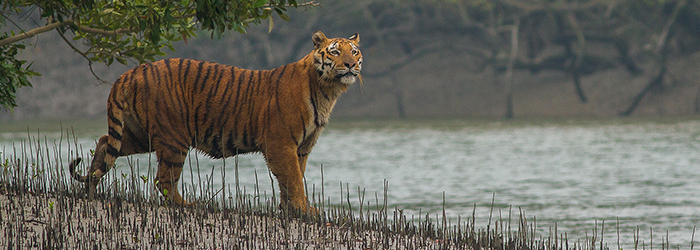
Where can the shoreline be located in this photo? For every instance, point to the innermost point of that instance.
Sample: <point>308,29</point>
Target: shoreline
<point>50,220</point>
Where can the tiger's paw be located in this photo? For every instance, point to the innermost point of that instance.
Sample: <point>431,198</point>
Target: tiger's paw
<point>300,210</point>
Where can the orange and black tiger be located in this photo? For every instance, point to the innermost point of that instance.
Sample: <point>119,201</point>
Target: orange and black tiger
<point>172,105</point>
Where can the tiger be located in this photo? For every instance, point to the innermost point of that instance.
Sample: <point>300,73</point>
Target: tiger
<point>174,105</point>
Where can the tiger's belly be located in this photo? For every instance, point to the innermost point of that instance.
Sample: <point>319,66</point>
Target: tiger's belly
<point>218,149</point>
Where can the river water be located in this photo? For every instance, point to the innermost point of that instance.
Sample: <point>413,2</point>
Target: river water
<point>573,174</point>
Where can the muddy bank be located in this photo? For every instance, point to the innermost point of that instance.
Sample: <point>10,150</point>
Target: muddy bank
<point>41,221</point>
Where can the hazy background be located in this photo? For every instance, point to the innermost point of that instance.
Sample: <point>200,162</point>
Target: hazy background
<point>426,59</point>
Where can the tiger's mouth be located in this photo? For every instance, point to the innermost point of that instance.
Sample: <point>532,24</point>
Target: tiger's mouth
<point>346,74</point>
<point>347,77</point>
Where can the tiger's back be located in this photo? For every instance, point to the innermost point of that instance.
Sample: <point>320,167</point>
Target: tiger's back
<point>172,105</point>
<point>224,108</point>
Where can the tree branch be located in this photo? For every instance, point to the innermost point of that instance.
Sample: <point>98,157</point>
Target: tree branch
<point>663,38</point>
<point>10,20</point>
<point>103,32</point>
<point>556,6</point>
<point>32,33</point>
<point>309,3</point>
<point>55,25</point>
<point>655,82</point>
<point>82,54</point>
<point>661,49</point>
<point>509,72</point>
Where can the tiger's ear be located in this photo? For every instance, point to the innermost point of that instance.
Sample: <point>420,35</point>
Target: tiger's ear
<point>355,38</point>
<point>318,38</point>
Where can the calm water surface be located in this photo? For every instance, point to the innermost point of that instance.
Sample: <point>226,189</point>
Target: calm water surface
<point>644,174</point>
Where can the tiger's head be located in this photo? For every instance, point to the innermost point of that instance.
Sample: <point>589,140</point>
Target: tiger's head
<point>337,59</point>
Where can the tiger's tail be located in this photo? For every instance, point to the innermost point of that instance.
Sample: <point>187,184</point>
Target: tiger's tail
<point>75,175</point>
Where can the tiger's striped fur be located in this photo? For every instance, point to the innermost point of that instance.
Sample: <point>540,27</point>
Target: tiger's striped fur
<point>172,105</point>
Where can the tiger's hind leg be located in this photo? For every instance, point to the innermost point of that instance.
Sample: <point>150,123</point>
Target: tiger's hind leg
<point>107,150</point>
<point>106,153</point>
<point>170,162</point>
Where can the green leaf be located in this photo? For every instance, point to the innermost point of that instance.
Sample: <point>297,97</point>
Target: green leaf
<point>259,3</point>
<point>269,29</point>
<point>121,60</point>
<point>283,16</point>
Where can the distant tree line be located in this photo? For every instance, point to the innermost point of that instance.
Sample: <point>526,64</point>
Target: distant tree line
<point>579,37</point>
<point>575,37</point>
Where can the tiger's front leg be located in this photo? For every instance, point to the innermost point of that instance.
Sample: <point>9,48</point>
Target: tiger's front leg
<point>284,164</point>
<point>171,159</point>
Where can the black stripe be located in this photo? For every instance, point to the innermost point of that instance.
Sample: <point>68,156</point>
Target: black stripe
<point>216,147</point>
<point>113,133</point>
<point>198,80</point>
<point>230,144</point>
<point>170,163</point>
<point>194,86</point>
<point>330,63</point>
<point>114,119</point>
<point>313,104</point>
<point>161,95</point>
<point>172,148</point>
<point>183,146</point>
<point>253,106</point>
<point>169,71</point>
<point>225,101</point>
<point>103,168</point>
<point>216,69</point>
<point>117,104</point>
<point>119,82</point>
<point>201,103</point>
<point>134,139</point>
<point>249,101</point>
<point>111,150</point>
<point>235,108</point>
<point>173,93</point>
<point>134,87</point>
<point>147,89</point>
<point>291,130</point>
<point>218,74</point>
<point>199,72</point>
<point>303,125</point>
<point>179,69</point>
<point>244,136</point>
<point>277,88</point>
<point>196,124</point>
<point>183,84</point>
<point>208,133</point>
<point>160,104</point>
<point>211,96</point>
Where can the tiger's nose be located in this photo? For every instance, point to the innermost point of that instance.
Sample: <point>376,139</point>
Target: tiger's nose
<point>350,64</point>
